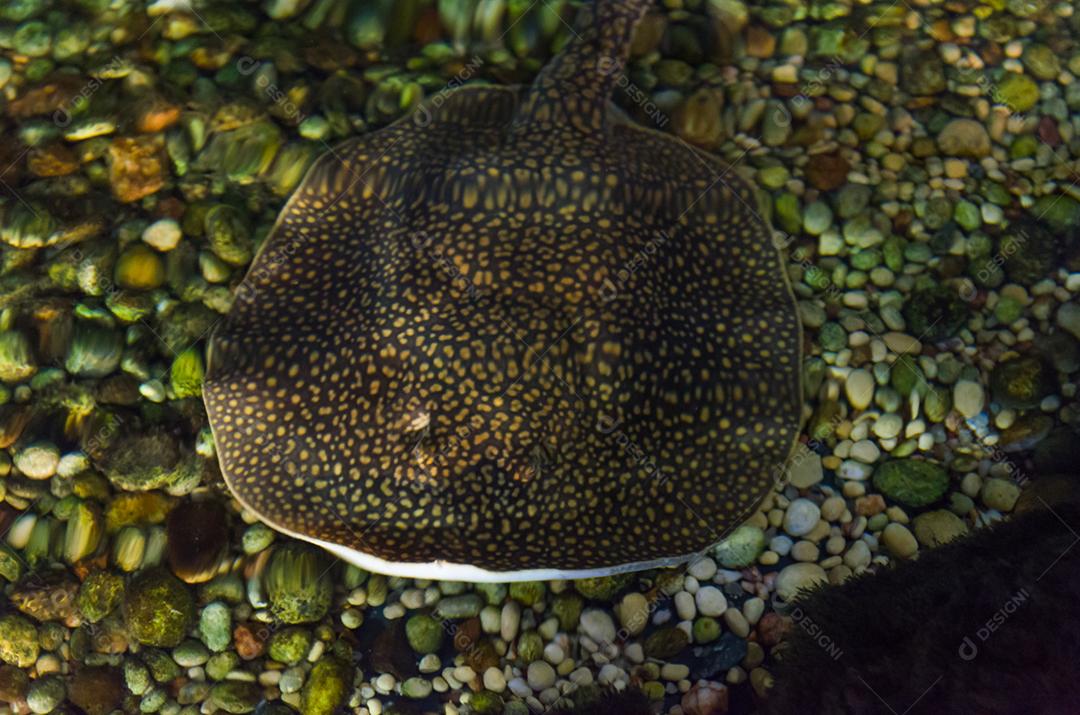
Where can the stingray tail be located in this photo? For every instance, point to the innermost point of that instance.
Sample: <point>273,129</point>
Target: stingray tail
<point>574,87</point>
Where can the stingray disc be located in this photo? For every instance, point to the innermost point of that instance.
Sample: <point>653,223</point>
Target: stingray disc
<point>513,336</point>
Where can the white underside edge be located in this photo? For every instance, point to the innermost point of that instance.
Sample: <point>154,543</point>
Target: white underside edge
<point>446,571</point>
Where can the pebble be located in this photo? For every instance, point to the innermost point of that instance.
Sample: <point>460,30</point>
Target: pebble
<point>999,494</point>
<point>509,620</point>
<point>685,606</point>
<point>801,517</point>
<point>964,137</point>
<point>494,680</point>
<point>798,576</point>
<point>969,398</point>
<point>781,544</point>
<point>865,451</point>
<point>164,234</point>
<point>832,508</point>
<point>674,671</point>
<point>859,389</point>
<point>598,626</point>
<point>710,601</point>
<point>753,609</point>
<point>857,470</point>
<point>703,569</point>
<point>858,555</point>
<point>938,527</point>
<point>540,675</point>
<point>888,426</point>
<point>1068,318</point>
<point>736,622</point>
<point>633,612</point>
<point>805,470</point>
<point>899,541</point>
<point>901,343</point>
<point>805,551</point>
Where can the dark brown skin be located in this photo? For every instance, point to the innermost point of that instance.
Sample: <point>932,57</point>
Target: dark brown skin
<point>515,331</point>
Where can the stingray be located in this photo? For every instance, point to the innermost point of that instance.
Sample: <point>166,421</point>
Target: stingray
<point>512,336</point>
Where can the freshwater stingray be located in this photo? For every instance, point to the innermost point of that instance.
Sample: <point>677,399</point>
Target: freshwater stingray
<point>512,336</point>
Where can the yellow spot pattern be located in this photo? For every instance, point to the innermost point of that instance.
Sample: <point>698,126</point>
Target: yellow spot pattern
<point>538,343</point>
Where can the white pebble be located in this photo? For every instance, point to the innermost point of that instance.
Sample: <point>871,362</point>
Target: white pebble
<point>801,517</point>
<point>598,626</point>
<point>710,601</point>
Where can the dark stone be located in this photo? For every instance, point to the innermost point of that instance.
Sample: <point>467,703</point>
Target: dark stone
<point>711,662</point>
<point>935,314</point>
<point>97,690</point>
<point>1021,382</point>
<point>1029,250</point>
<point>391,652</point>
<point>198,538</point>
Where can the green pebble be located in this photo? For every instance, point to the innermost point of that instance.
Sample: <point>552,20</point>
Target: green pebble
<point>907,376</point>
<point>18,641</point>
<point>153,701</point>
<point>95,350</point>
<point>1042,62</point>
<point>527,593</point>
<point>158,608</point>
<point>416,688</point>
<point>937,404</point>
<point>773,177</point>
<point>967,215</point>
<point>1018,92</point>
<point>228,234</point>
<point>257,538</point>
<point>315,128</point>
<point>665,643</point>
<point>1008,310</point>
<point>913,483</point>
<point>817,218</point>
<point>936,313</point>
<point>190,653</point>
<point>290,645</point>
<point>832,337</point>
<point>465,606</point>
<point>11,564</point>
<point>46,694</point>
<point>16,357</point>
<point>215,626</point>
<point>706,629</point>
<point>186,373</point>
<point>162,667</point>
<point>603,588</point>
<point>236,696</point>
<point>227,587</point>
<point>326,688</point>
<point>866,259</point>
<point>530,647</point>
<point>1023,146</point>
<point>851,199</point>
<point>789,212</point>
<point>1060,212</point>
<point>221,664</point>
<point>741,547</point>
<point>567,608</point>
<point>424,633</point>
<point>1022,382</point>
<point>494,593</point>
<point>298,583</point>
<point>488,703</point>
<point>136,676</point>
<point>33,39</point>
